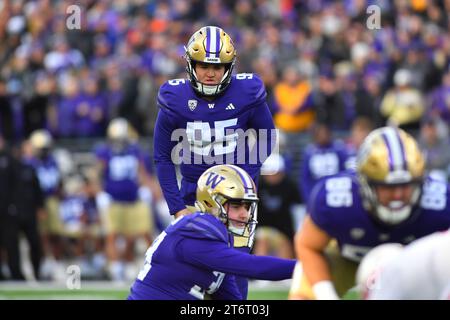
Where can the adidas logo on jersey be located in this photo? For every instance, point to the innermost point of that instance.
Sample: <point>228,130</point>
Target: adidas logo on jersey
<point>230,107</point>
<point>211,105</point>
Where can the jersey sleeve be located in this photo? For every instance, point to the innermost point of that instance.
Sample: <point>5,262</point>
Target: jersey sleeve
<point>218,256</point>
<point>261,121</point>
<point>254,88</point>
<point>168,96</point>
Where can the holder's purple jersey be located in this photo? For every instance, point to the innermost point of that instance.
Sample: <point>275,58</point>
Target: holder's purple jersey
<point>336,207</point>
<point>121,173</point>
<point>194,256</point>
<point>209,130</point>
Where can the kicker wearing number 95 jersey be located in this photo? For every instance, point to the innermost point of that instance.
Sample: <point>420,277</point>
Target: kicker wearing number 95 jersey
<point>209,117</point>
<point>388,200</point>
<point>212,115</point>
<point>195,254</point>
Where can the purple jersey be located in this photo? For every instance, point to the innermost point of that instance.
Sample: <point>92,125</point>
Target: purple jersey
<point>48,174</point>
<point>321,161</point>
<point>336,207</point>
<point>211,131</point>
<point>121,173</point>
<point>89,125</point>
<point>195,255</point>
<point>71,212</point>
<point>66,108</point>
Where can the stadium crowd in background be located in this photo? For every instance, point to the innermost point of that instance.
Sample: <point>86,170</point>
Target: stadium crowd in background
<point>320,62</point>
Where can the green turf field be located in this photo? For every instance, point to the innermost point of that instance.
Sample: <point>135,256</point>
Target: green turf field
<point>107,295</point>
<point>105,291</point>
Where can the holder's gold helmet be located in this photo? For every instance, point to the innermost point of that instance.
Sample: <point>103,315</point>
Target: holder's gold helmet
<point>210,45</point>
<point>389,157</point>
<point>228,183</point>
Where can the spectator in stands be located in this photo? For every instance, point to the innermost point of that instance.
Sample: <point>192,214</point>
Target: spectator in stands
<point>403,105</point>
<point>292,105</point>
<point>37,108</point>
<point>91,111</point>
<point>434,143</point>
<point>360,128</point>
<point>440,99</point>
<point>62,115</point>
<point>6,113</point>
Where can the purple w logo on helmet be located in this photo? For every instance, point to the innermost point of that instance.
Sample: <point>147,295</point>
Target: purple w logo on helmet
<point>212,179</point>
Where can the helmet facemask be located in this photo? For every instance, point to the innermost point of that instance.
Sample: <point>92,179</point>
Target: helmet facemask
<point>390,158</point>
<point>246,228</point>
<point>204,89</point>
<point>395,212</point>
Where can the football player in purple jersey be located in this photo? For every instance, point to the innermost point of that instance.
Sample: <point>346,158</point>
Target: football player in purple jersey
<point>389,199</point>
<point>120,163</point>
<point>195,254</point>
<point>212,115</point>
<point>209,107</point>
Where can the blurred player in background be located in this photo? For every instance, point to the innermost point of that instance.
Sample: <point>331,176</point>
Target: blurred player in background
<point>279,201</point>
<point>211,110</point>
<point>41,158</point>
<point>195,254</point>
<point>121,167</point>
<point>389,200</point>
<point>419,271</point>
<point>323,157</point>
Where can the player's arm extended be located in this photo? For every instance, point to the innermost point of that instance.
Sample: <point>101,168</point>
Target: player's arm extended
<point>165,168</point>
<point>310,243</point>
<point>217,256</point>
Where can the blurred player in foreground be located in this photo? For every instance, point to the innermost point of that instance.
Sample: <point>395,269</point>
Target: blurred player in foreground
<point>419,271</point>
<point>389,199</point>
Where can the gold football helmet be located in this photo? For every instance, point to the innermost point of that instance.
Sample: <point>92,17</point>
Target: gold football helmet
<point>210,45</point>
<point>119,133</point>
<point>389,157</point>
<point>118,129</point>
<point>228,183</point>
<point>41,139</point>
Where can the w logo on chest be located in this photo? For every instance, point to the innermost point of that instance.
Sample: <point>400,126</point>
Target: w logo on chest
<point>214,179</point>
